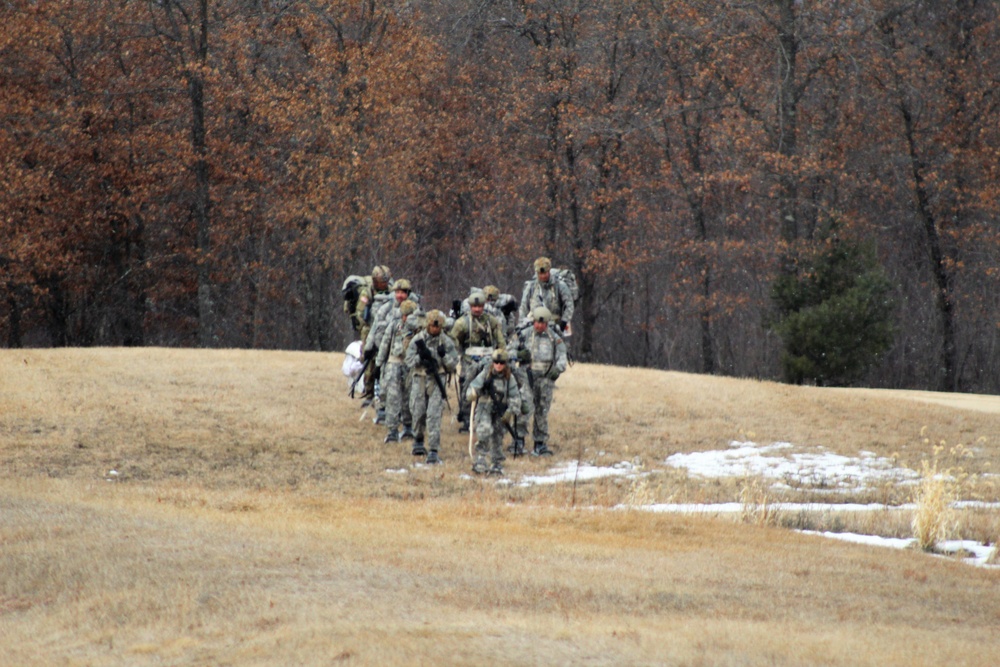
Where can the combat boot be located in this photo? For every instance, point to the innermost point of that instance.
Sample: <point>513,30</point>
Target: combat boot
<point>541,449</point>
<point>432,458</point>
<point>463,427</point>
<point>379,416</point>
<point>407,433</point>
<point>479,467</point>
<point>418,447</point>
<point>393,436</point>
<point>496,470</point>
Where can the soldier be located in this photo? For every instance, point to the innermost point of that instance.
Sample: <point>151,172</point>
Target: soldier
<point>477,334</point>
<point>386,313</point>
<point>494,390</point>
<point>541,353</point>
<point>394,374</point>
<point>553,294</point>
<point>369,299</point>
<point>431,356</point>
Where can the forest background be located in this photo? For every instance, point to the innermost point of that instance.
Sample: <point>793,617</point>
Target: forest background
<point>207,172</point>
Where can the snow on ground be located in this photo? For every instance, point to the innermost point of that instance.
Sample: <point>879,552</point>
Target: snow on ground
<point>975,553</point>
<point>786,466</point>
<point>816,470</point>
<point>575,471</point>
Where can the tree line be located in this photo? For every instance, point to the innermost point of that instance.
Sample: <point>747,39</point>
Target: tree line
<point>207,172</point>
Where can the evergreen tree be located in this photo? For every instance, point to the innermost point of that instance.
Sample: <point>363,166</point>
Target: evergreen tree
<point>834,315</point>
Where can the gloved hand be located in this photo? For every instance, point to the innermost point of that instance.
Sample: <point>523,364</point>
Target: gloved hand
<point>370,354</point>
<point>524,355</point>
<point>471,395</point>
<point>508,418</point>
<point>552,375</point>
<point>442,350</point>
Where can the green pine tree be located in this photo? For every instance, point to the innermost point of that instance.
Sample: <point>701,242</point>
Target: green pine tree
<point>834,315</point>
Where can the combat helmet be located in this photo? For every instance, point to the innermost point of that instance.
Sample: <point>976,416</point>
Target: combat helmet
<point>541,314</point>
<point>477,298</point>
<point>435,317</point>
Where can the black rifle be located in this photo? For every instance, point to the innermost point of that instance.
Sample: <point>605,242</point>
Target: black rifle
<point>499,406</point>
<point>429,363</point>
<point>368,362</point>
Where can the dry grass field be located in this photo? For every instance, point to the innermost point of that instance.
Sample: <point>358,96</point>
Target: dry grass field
<point>191,507</point>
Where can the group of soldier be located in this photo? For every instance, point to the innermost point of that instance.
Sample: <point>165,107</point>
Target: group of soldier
<point>506,355</point>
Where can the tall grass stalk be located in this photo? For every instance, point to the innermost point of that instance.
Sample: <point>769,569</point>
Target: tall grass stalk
<point>934,519</point>
<point>755,500</point>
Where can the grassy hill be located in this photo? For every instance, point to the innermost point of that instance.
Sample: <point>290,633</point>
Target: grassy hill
<point>192,507</point>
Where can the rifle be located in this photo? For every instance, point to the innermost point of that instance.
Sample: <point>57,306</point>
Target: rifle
<point>364,368</point>
<point>429,363</point>
<point>499,407</point>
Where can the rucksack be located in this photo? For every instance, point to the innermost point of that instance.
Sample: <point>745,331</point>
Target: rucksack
<point>557,275</point>
<point>351,291</point>
<point>567,276</point>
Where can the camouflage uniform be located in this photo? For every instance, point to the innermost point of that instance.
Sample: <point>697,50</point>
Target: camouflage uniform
<point>394,374</point>
<point>476,337</point>
<point>371,296</point>
<point>426,399</point>
<point>553,294</point>
<point>386,313</point>
<point>542,356</point>
<point>497,402</point>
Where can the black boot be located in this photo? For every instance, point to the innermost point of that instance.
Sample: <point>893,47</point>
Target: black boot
<point>432,458</point>
<point>496,470</point>
<point>418,447</point>
<point>541,449</point>
<point>407,433</point>
<point>393,436</point>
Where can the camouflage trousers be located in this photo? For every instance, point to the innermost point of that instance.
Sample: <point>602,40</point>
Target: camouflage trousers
<point>426,407</point>
<point>470,369</point>
<point>541,395</point>
<point>395,389</point>
<point>489,433</point>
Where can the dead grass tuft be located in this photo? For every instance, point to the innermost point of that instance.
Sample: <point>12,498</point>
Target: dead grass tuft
<point>942,482</point>
<point>755,501</point>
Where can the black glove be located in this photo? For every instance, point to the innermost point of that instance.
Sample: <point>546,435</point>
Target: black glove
<point>441,350</point>
<point>424,353</point>
<point>524,355</point>
<point>370,354</point>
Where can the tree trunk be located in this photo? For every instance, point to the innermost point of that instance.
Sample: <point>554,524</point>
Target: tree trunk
<point>202,199</point>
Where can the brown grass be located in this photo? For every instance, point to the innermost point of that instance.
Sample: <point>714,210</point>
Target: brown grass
<point>255,520</point>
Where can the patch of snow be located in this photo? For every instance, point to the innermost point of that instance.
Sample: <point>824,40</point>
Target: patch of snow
<point>978,554</point>
<point>575,471</point>
<point>818,469</point>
